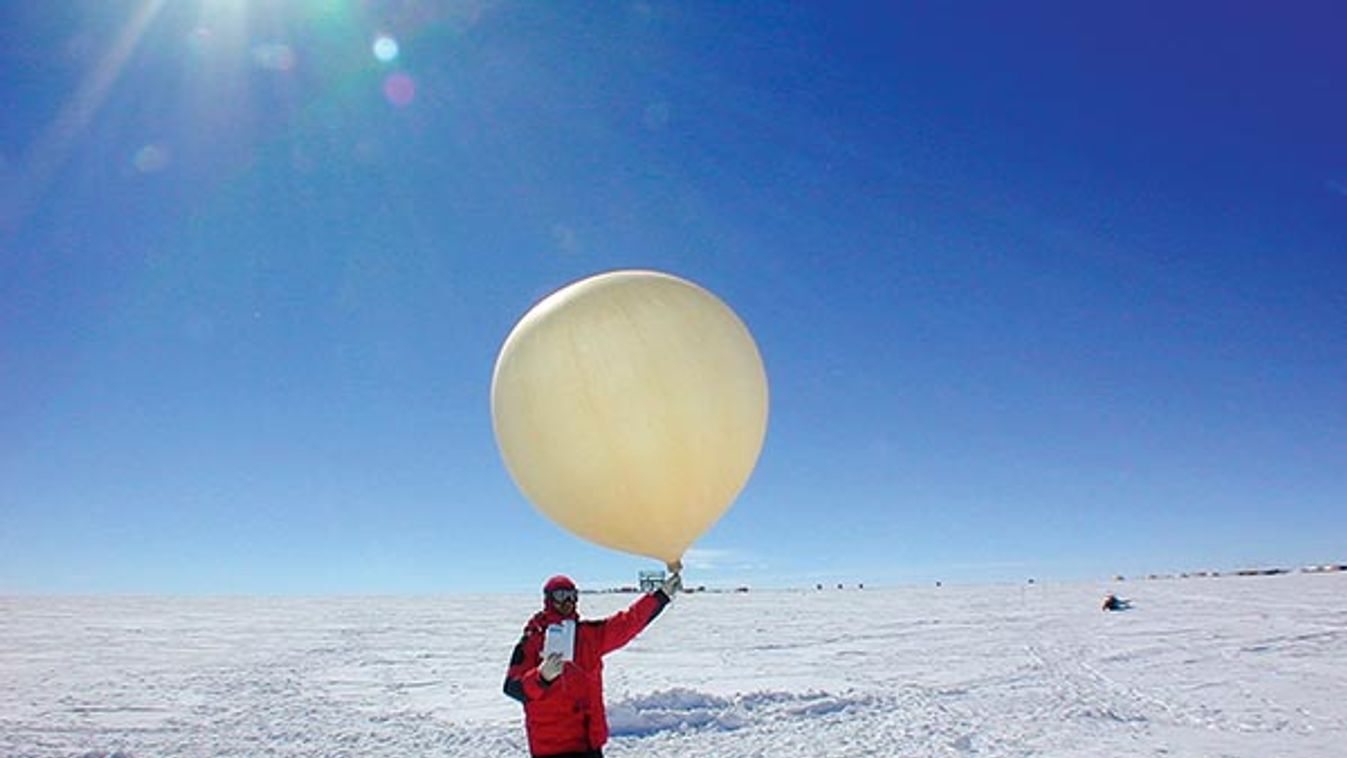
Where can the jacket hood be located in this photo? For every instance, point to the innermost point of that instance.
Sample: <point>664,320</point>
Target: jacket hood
<point>559,582</point>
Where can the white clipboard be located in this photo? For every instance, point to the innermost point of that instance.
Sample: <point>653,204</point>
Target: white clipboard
<point>560,638</point>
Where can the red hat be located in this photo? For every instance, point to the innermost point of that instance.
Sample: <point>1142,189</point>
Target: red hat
<point>558,582</point>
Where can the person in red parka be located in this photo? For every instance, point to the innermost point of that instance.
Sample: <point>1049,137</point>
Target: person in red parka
<point>563,699</point>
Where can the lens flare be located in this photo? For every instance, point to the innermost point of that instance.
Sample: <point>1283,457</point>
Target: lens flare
<point>385,48</point>
<point>151,159</point>
<point>400,89</point>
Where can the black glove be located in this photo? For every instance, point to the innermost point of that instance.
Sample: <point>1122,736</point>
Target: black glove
<point>672,586</point>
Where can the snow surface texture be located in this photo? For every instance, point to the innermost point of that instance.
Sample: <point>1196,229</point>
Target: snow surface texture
<point>1200,667</point>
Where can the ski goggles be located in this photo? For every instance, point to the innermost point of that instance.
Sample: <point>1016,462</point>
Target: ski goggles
<point>562,595</point>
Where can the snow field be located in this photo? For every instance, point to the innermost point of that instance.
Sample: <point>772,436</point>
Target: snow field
<point>1201,667</point>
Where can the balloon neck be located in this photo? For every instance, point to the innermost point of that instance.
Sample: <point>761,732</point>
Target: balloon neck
<point>674,567</point>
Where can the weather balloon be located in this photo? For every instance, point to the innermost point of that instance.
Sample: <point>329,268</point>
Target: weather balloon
<point>630,408</point>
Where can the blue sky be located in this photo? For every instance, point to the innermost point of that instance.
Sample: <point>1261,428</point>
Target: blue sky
<point>1042,290</point>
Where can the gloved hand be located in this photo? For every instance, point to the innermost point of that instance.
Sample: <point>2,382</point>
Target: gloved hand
<point>673,585</point>
<point>551,667</point>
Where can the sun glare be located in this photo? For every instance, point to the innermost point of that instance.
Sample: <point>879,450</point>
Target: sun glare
<point>49,152</point>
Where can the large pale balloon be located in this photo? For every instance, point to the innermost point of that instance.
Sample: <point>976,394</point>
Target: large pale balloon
<point>630,408</point>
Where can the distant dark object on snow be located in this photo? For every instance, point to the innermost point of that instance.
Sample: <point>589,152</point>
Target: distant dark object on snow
<point>1114,603</point>
<point>1261,572</point>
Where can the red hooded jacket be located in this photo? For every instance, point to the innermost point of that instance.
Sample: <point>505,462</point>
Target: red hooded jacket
<point>567,714</point>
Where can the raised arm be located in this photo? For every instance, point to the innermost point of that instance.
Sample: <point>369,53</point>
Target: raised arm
<point>619,628</point>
